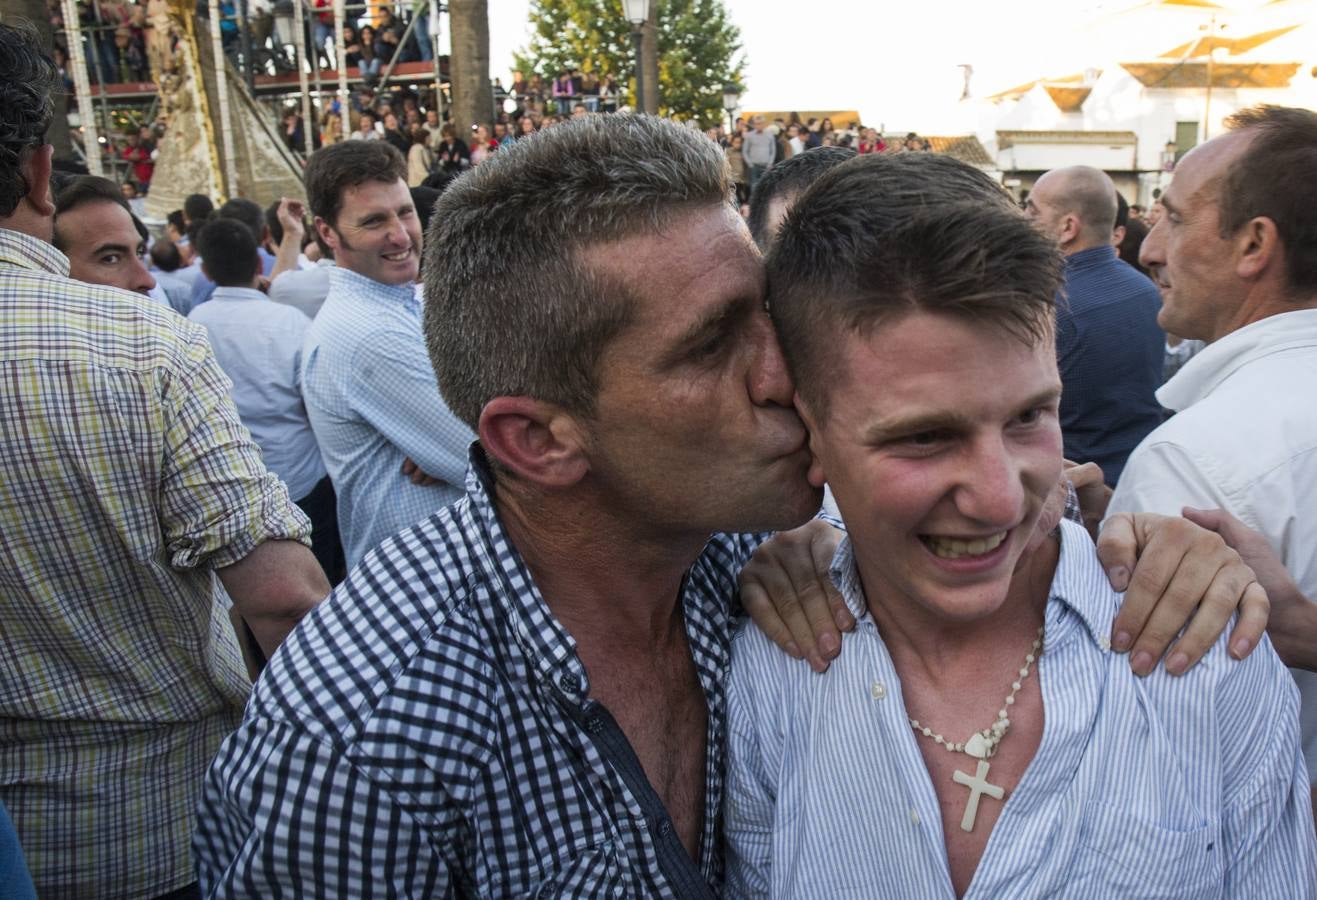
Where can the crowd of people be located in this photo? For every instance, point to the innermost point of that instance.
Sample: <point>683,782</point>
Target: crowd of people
<point>328,569</point>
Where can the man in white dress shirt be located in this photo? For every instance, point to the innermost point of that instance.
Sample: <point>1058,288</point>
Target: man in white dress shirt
<point>1235,257</point>
<point>259,346</point>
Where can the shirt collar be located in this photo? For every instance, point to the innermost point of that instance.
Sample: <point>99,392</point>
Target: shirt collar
<point>355,285</point>
<point>1087,259</point>
<point>548,647</point>
<point>1222,358</point>
<point>19,249</point>
<point>237,293</point>
<point>1079,585</point>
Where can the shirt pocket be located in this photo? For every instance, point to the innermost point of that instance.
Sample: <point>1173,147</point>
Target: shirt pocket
<point>590,873</point>
<point>1120,854</point>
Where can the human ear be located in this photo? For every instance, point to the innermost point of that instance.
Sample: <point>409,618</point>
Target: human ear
<point>36,172</point>
<point>1257,244</point>
<point>539,442</point>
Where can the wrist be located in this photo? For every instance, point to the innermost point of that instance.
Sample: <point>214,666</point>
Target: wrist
<point>1293,630</point>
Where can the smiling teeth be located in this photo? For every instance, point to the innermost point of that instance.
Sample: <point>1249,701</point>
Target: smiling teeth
<point>951,548</point>
<point>398,257</point>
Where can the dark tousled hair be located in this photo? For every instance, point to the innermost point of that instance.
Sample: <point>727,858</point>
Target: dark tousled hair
<point>1276,177</point>
<point>791,176</point>
<point>228,252</point>
<point>884,235</point>
<point>27,83</point>
<point>523,217</point>
<point>332,170</point>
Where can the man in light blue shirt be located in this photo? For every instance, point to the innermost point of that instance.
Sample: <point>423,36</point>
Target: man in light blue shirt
<point>919,765</point>
<point>395,452</point>
<point>258,344</point>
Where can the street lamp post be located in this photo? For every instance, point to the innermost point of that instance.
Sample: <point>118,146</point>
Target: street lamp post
<point>731,99</point>
<point>637,12</point>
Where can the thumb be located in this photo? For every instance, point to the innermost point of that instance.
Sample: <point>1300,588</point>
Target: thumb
<point>1217,520</point>
<point>1117,549</point>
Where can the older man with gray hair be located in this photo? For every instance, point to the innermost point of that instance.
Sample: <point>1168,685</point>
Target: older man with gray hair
<point>1108,344</point>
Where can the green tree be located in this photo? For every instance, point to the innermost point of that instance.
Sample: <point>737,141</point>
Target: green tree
<point>699,50</point>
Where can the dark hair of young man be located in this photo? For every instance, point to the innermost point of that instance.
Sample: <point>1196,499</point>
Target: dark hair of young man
<point>246,212</point>
<point>789,177</point>
<point>197,207</point>
<point>272,222</point>
<point>885,235</point>
<point>332,170</point>
<point>228,252</point>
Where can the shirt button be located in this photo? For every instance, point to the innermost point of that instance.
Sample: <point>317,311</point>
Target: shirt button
<point>569,683</point>
<point>914,816</point>
<point>878,690</point>
<point>594,724</point>
<point>665,828</point>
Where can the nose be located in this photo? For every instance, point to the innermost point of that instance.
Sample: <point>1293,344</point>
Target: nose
<point>769,380</point>
<point>992,490</point>
<point>143,280</point>
<point>1153,250</point>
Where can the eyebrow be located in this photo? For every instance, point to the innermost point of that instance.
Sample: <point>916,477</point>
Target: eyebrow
<point>110,248</point>
<point>898,426</point>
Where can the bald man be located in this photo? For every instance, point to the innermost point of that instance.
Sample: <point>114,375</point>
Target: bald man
<point>1108,344</point>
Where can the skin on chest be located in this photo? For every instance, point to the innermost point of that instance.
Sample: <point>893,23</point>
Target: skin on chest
<point>1005,769</point>
<point>660,706</point>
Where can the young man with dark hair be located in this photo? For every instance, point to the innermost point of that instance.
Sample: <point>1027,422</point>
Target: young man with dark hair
<point>259,345</point>
<point>130,484</point>
<point>915,306</point>
<point>394,451</point>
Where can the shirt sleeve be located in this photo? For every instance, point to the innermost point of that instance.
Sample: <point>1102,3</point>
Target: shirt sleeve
<point>749,796</point>
<point>1267,825</point>
<point>218,501</point>
<point>284,813</point>
<point>396,393</point>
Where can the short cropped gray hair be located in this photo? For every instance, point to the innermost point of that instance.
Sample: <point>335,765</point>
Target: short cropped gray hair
<point>511,307</point>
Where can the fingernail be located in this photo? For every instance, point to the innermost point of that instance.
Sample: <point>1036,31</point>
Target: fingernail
<point>1177,663</point>
<point>829,645</point>
<point>1142,663</point>
<point>817,664</point>
<point>844,620</point>
<point>1239,649</point>
<point>1121,642</point>
<point>793,650</point>
<point>1120,578</point>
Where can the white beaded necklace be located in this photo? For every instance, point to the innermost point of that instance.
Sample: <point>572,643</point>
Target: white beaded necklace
<point>983,744</point>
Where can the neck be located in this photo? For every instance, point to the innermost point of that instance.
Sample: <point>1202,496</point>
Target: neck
<point>941,649</point>
<point>1263,304</point>
<point>597,575</point>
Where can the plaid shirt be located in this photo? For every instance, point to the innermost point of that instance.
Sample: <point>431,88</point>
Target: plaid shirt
<point>428,732</point>
<point>125,478</point>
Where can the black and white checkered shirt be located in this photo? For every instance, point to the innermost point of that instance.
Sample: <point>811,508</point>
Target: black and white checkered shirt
<point>427,732</point>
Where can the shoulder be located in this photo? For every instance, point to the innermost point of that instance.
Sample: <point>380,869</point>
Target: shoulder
<point>401,632</point>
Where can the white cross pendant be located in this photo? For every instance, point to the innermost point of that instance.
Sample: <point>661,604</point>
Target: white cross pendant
<point>977,784</point>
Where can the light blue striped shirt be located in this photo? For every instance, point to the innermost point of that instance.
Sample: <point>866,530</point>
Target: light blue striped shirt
<point>373,401</point>
<point>1154,787</point>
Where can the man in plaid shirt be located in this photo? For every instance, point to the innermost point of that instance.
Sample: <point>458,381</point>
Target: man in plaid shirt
<point>128,485</point>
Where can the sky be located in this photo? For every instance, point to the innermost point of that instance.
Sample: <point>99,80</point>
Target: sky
<point>896,61</point>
